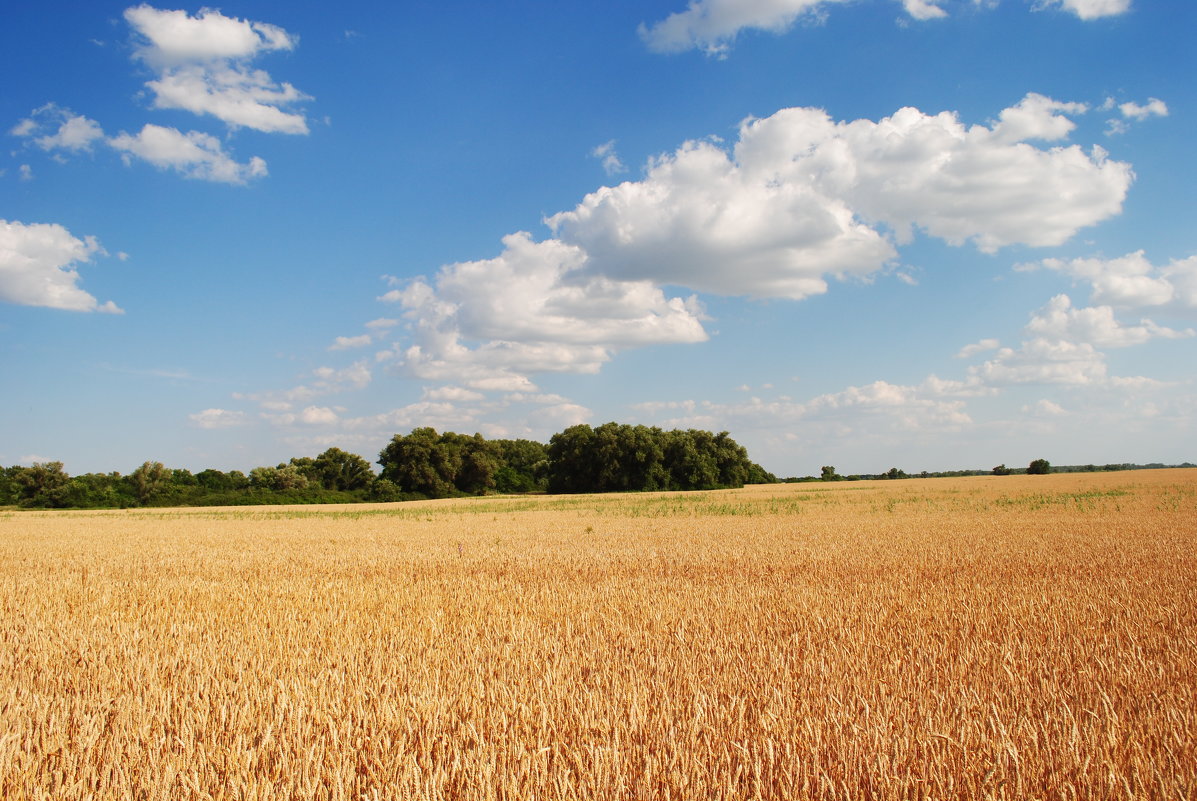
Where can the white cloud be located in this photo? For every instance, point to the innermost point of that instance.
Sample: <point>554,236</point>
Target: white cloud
<point>192,154</point>
<point>52,127</point>
<point>382,324</point>
<point>347,343</point>
<point>701,220</point>
<point>924,9</point>
<point>795,201</point>
<point>38,267</point>
<point>203,66</point>
<point>1154,108</point>
<point>978,347</point>
<point>318,415</point>
<point>876,407</point>
<point>611,162</point>
<point>458,394</point>
<point>1045,408</point>
<point>1062,348</point>
<point>1131,281</point>
<point>441,415</point>
<point>712,25</point>
<point>489,324</point>
<point>217,418</point>
<point>1133,111</point>
<point>1090,9</point>
<point>1059,321</point>
<point>326,381</point>
<point>25,172</point>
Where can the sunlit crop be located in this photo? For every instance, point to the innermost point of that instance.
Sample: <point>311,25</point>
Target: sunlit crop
<point>1014,637</point>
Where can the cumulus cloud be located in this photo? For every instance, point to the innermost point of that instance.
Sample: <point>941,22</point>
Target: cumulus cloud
<point>713,25</point>
<point>52,127</point>
<point>797,198</point>
<point>318,415</point>
<point>1131,281</point>
<point>38,267</point>
<point>452,394</point>
<point>490,324</point>
<point>924,9</point>
<point>217,418</point>
<point>1153,108</point>
<point>1132,111</point>
<point>202,64</point>
<point>192,154</point>
<point>1090,9</point>
<point>347,343</point>
<point>1063,347</point>
<point>382,324</point>
<point>612,164</point>
<point>325,381</point>
<point>1096,325</point>
<point>978,347</point>
<point>877,407</point>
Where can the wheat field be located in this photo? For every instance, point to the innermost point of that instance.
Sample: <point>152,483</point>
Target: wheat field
<point>1021,637</point>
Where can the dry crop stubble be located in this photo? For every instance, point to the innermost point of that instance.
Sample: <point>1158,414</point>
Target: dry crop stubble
<point>1013,637</point>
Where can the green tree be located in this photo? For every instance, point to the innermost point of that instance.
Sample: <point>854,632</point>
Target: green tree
<point>523,465</point>
<point>1039,467</point>
<point>337,470</point>
<point>571,464</point>
<point>36,485</point>
<point>419,463</point>
<point>829,474</point>
<point>149,480</point>
<point>1002,470</point>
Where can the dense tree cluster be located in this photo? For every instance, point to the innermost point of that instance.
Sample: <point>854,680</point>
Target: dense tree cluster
<point>332,477</point>
<point>625,458</point>
<point>422,464</point>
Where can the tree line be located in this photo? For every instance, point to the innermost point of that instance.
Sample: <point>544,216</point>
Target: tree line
<point>612,457</point>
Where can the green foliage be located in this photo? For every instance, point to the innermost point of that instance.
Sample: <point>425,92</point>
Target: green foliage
<point>828,474</point>
<point>149,480</point>
<point>625,458</point>
<point>1002,470</point>
<point>40,484</point>
<point>1039,467</point>
<point>337,470</point>
<point>440,465</point>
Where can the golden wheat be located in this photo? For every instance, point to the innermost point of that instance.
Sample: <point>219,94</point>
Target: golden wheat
<point>1014,637</point>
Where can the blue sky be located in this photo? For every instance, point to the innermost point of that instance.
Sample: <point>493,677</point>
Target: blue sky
<point>869,233</point>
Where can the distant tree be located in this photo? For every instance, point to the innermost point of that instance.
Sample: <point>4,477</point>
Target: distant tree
<point>1002,470</point>
<point>262,478</point>
<point>572,467</point>
<point>149,480</point>
<point>893,473</point>
<point>421,463</point>
<point>1039,467</point>
<point>474,461</point>
<point>828,473</point>
<point>213,481</point>
<point>523,465</point>
<point>759,475</point>
<point>237,480</point>
<point>183,478</point>
<point>9,490</point>
<point>36,485</point>
<point>305,466</point>
<point>337,470</point>
<point>624,458</point>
